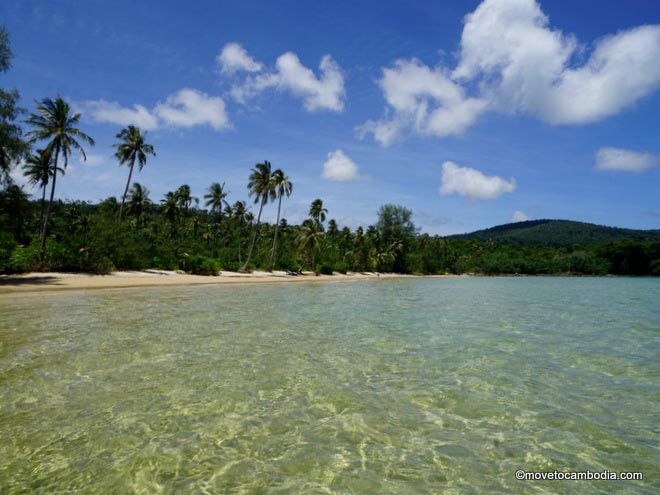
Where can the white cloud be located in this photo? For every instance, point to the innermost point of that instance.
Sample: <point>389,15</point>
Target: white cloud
<point>622,160</point>
<point>234,58</point>
<point>185,108</point>
<point>189,107</point>
<point>339,167</point>
<point>519,216</point>
<point>517,63</point>
<point>525,65</point>
<point>424,100</point>
<point>325,92</point>
<point>472,183</point>
<point>113,113</point>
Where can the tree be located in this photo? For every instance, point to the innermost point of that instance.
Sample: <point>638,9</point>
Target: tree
<point>170,208</point>
<point>310,239</point>
<point>282,185</point>
<point>131,148</point>
<point>138,200</point>
<point>38,171</point>
<point>216,199</point>
<point>242,217</point>
<point>317,212</point>
<point>260,185</point>
<point>184,197</point>
<point>395,223</point>
<point>12,146</point>
<point>55,124</point>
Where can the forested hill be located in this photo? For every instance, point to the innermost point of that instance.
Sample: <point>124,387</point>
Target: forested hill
<point>557,233</point>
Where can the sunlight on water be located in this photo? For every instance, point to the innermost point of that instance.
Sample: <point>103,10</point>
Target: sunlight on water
<point>392,386</point>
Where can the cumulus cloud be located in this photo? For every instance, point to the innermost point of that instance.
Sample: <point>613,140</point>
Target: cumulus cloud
<point>185,108</point>
<point>339,167</point>
<point>234,58</point>
<point>519,216</point>
<point>323,92</point>
<point>472,183</point>
<point>525,65</point>
<point>189,107</point>
<point>622,160</point>
<point>424,100</point>
<point>518,63</point>
<point>113,113</point>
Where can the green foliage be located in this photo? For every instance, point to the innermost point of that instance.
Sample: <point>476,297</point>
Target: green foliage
<point>200,265</point>
<point>24,259</point>
<point>87,238</point>
<point>557,233</point>
<point>341,266</point>
<point>324,269</point>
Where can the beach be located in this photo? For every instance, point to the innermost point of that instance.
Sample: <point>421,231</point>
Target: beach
<point>49,281</point>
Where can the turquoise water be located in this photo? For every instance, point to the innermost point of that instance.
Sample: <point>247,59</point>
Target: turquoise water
<point>373,387</point>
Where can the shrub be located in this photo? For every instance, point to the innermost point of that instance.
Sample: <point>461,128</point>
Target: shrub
<point>24,259</point>
<point>201,265</point>
<point>341,267</point>
<point>7,246</point>
<point>104,266</point>
<point>324,269</point>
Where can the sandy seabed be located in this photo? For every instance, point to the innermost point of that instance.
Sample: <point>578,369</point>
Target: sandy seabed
<point>48,281</point>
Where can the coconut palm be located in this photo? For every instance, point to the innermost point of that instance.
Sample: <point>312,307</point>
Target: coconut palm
<point>38,171</point>
<point>55,124</point>
<point>317,212</point>
<point>242,217</point>
<point>184,198</point>
<point>170,211</point>
<point>282,185</point>
<point>310,239</point>
<point>131,148</point>
<point>260,185</point>
<point>138,200</point>
<point>216,199</point>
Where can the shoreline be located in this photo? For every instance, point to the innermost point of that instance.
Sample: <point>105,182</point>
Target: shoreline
<point>58,281</point>
<point>62,281</point>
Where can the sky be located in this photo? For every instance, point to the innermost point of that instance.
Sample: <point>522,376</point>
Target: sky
<point>471,114</point>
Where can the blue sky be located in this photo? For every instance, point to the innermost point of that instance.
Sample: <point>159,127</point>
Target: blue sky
<point>519,110</point>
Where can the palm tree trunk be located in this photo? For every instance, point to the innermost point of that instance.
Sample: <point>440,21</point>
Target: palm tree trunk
<point>43,202</point>
<point>240,239</point>
<point>49,208</point>
<point>254,236</point>
<point>216,227</point>
<point>277,227</point>
<point>123,198</point>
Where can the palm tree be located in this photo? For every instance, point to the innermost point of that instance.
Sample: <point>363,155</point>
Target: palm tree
<point>216,199</point>
<point>310,238</point>
<point>132,147</point>
<point>242,217</point>
<point>317,212</point>
<point>138,200</point>
<point>55,124</point>
<point>170,208</point>
<point>260,186</point>
<point>184,198</point>
<point>37,170</point>
<point>282,185</point>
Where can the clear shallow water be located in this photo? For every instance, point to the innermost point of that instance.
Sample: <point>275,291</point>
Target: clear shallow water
<point>390,386</point>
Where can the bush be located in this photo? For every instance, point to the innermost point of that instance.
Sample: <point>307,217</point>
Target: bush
<point>201,265</point>
<point>324,269</point>
<point>341,267</point>
<point>104,266</point>
<point>7,246</point>
<point>24,259</point>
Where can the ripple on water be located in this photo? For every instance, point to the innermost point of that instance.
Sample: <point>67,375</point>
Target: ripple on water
<point>391,386</point>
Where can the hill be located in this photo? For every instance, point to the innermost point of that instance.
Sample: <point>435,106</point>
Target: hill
<point>557,233</point>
